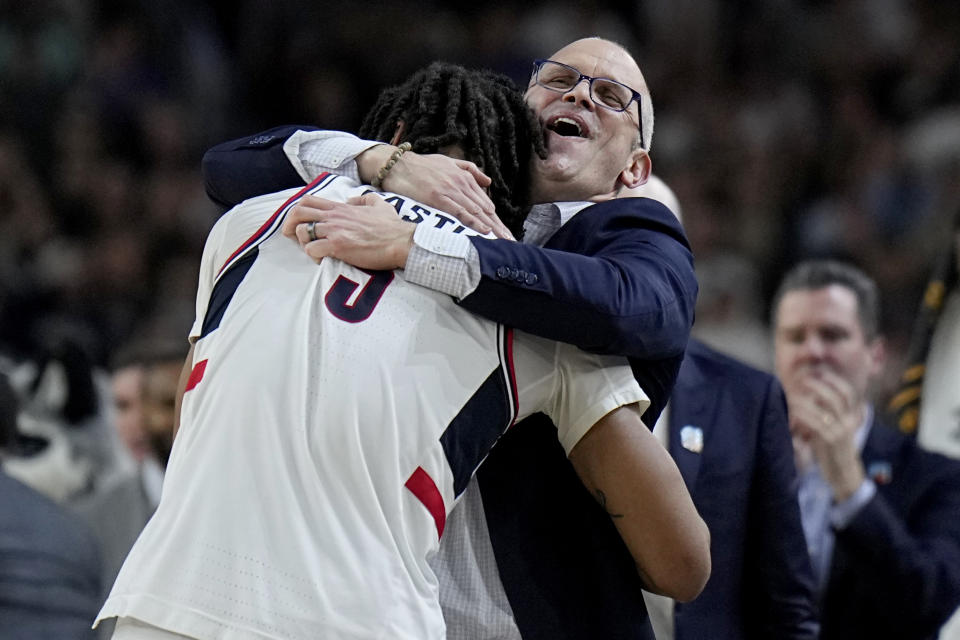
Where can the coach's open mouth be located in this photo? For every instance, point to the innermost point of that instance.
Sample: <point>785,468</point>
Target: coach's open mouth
<point>567,126</point>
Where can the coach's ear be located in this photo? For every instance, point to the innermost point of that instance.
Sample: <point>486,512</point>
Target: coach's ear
<point>398,133</point>
<point>637,170</point>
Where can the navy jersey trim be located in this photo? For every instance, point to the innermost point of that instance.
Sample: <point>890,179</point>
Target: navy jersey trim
<point>235,268</point>
<point>274,222</point>
<point>223,291</point>
<point>483,419</point>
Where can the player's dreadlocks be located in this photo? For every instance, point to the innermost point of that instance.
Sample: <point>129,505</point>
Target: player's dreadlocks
<point>482,111</point>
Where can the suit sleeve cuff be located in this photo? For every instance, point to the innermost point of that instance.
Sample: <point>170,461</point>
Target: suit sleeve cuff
<point>314,152</point>
<point>843,513</point>
<point>443,261</point>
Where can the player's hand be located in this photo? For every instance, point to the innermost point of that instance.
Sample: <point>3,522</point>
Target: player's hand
<point>454,186</point>
<point>365,232</point>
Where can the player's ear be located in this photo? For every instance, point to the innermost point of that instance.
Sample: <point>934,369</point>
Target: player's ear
<point>637,170</point>
<point>398,132</point>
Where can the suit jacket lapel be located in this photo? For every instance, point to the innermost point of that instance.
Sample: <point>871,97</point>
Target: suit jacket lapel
<point>882,453</point>
<point>691,408</point>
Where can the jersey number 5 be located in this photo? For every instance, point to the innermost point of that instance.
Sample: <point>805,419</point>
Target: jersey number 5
<point>365,302</point>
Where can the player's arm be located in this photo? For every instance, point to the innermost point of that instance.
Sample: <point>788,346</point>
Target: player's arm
<point>637,482</point>
<point>596,406</point>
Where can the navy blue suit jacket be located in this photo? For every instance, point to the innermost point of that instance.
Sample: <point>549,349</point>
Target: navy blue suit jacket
<point>630,291</point>
<point>895,571</point>
<point>744,485</point>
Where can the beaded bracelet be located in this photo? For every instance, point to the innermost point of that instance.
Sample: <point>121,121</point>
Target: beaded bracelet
<point>385,169</point>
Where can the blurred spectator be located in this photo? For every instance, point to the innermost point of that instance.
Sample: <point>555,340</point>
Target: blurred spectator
<point>730,309</point>
<point>879,512</point>
<point>160,377</point>
<point>127,392</point>
<point>49,563</point>
<point>824,128</point>
<point>73,451</point>
<point>789,130</point>
<point>144,384</point>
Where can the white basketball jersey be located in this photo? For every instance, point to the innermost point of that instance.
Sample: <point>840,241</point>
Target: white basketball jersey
<point>332,419</point>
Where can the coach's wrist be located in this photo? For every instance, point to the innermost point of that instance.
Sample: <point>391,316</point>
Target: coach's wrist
<point>403,244</point>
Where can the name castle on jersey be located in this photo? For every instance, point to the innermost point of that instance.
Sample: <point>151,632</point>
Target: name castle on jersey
<point>416,213</point>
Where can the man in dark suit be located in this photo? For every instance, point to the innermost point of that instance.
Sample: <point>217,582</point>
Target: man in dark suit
<point>565,572</point>
<point>727,431</point>
<point>879,513</point>
<point>49,561</point>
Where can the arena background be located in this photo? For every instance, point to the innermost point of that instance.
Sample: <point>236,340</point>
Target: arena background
<point>788,129</point>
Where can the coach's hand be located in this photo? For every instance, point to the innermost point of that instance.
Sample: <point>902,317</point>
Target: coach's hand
<point>454,186</point>
<point>364,232</point>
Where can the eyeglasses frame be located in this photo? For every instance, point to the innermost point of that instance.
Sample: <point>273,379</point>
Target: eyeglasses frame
<point>636,96</point>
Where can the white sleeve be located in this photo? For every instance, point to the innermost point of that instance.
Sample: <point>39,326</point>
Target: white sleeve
<point>314,152</point>
<point>574,388</point>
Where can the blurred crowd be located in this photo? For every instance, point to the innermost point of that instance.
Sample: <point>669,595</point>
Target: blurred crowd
<point>789,129</point>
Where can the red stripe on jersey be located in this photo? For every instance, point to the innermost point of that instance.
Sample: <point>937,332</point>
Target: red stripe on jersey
<point>196,375</point>
<point>511,374</point>
<point>425,489</point>
<point>266,225</point>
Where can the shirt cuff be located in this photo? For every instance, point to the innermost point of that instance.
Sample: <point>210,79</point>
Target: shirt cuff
<point>443,261</point>
<point>843,513</point>
<point>314,152</point>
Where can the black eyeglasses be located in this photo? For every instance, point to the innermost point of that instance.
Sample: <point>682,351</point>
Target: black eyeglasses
<point>604,92</point>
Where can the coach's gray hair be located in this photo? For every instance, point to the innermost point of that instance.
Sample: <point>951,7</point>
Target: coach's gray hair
<point>646,119</point>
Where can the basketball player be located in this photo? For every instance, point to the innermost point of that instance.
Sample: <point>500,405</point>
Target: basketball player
<point>608,276</point>
<point>331,420</point>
